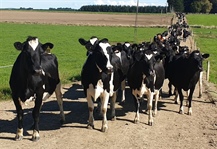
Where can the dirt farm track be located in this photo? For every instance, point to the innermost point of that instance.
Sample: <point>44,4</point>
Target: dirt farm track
<point>169,131</point>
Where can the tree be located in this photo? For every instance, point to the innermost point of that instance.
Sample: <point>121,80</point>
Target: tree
<point>176,5</point>
<point>196,6</point>
<point>187,5</point>
<point>214,6</point>
<point>203,6</point>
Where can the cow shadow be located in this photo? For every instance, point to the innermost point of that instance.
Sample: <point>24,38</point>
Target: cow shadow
<point>76,112</point>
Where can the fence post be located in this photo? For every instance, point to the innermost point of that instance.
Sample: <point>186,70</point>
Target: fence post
<point>208,69</point>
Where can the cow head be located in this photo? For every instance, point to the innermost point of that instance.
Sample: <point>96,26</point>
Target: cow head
<point>31,51</point>
<point>90,45</point>
<point>197,58</point>
<point>102,54</point>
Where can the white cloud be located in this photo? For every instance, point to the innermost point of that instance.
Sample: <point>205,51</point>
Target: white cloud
<point>127,2</point>
<point>113,2</point>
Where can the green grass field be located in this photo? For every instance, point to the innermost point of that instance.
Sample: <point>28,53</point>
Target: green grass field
<point>202,19</point>
<point>205,38</point>
<point>206,41</point>
<point>71,55</point>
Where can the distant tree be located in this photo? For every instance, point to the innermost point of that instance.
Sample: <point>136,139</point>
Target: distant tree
<point>206,6</point>
<point>119,8</point>
<point>214,6</point>
<point>187,5</point>
<point>176,5</point>
<point>196,6</point>
<point>201,6</point>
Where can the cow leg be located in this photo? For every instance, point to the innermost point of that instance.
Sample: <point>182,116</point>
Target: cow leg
<point>200,84</point>
<point>187,94</point>
<point>35,114</point>
<point>123,86</point>
<point>157,95</point>
<point>170,89</point>
<point>98,108</point>
<point>19,133</point>
<point>112,106</point>
<point>190,100</point>
<point>60,102</point>
<point>137,105</point>
<point>176,97</point>
<point>181,110</point>
<point>90,103</point>
<point>150,116</point>
<point>104,106</point>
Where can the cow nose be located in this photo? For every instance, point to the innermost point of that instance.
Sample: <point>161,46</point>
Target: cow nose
<point>38,71</point>
<point>110,70</point>
<point>152,73</point>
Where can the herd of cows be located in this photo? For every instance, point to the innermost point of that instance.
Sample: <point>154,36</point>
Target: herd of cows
<point>108,67</point>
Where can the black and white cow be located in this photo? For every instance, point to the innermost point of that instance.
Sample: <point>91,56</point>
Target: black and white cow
<point>97,79</point>
<point>184,73</point>
<point>34,73</point>
<point>145,77</point>
<point>89,44</point>
<point>123,59</point>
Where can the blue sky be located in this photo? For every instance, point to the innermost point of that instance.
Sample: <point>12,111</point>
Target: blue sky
<point>75,4</point>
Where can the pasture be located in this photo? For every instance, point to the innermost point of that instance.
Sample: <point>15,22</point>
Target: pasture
<point>70,53</point>
<point>170,129</point>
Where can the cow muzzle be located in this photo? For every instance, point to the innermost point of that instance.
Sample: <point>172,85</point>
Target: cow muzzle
<point>110,70</point>
<point>38,71</point>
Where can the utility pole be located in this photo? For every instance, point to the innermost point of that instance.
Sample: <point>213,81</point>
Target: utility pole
<point>135,27</point>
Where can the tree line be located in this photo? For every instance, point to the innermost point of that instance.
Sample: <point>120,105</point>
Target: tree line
<point>187,6</point>
<point>128,9</point>
<point>193,6</point>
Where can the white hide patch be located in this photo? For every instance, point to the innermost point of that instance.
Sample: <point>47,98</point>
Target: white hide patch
<point>95,92</point>
<point>46,95</point>
<point>155,52</point>
<point>93,40</point>
<point>119,55</point>
<point>127,44</point>
<point>33,43</point>
<point>111,85</point>
<point>104,46</point>
<point>149,56</point>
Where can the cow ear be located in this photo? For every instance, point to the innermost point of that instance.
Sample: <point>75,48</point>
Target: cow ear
<point>159,57</point>
<point>47,46</point>
<point>205,55</point>
<point>138,55</point>
<point>18,46</point>
<point>82,41</point>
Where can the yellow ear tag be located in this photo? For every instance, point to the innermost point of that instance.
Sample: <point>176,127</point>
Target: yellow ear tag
<point>48,50</point>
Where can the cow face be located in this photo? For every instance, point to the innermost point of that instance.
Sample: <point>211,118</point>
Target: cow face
<point>90,45</point>
<point>102,55</point>
<point>31,51</point>
<point>198,58</point>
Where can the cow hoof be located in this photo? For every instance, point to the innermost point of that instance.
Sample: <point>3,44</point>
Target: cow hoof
<point>18,138</point>
<point>181,112</point>
<point>136,121</point>
<point>176,102</point>
<point>113,118</point>
<point>89,126</point>
<point>150,123</point>
<point>145,111</point>
<point>104,129</point>
<point>62,121</point>
<point>35,138</point>
<point>122,102</point>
